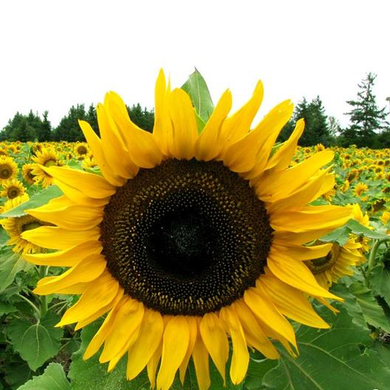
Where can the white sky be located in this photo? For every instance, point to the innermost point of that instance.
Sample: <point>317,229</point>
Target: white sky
<point>55,54</point>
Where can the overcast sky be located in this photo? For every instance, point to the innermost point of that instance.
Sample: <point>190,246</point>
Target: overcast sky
<point>55,54</point>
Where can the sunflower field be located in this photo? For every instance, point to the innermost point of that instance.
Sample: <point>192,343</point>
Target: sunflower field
<point>211,258</point>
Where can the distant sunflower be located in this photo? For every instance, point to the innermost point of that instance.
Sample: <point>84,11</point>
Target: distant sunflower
<point>15,226</point>
<point>8,168</point>
<point>360,188</point>
<point>12,188</point>
<point>341,259</point>
<point>188,238</point>
<point>28,176</point>
<point>45,158</point>
<point>81,150</point>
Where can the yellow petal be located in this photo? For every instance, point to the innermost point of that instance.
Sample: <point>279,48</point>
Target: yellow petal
<point>71,218</point>
<point>266,312</point>
<point>296,306</point>
<point>215,340</point>
<point>127,321</point>
<point>76,196</point>
<point>306,194</point>
<point>272,186</point>
<point>149,338</point>
<point>282,157</point>
<point>243,155</point>
<point>209,143</point>
<point>175,344</point>
<point>238,125</point>
<point>302,252</point>
<point>162,131</point>
<point>90,184</point>
<point>86,270</point>
<point>201,362</point>
<point>105,330</point>
<point>254,335</point>
<point>310,218</point>
<point>98,295</point>
<point>152,366</point>
<point>193,327</point>
<point>103,310</point>
<point>66,258</point>
<point>96,146</point>
<point>240,358</point>
<point>115,152</point>
<point>184,125</point>
<point>295,273</point>
<point>57,238</point>
<point>142,147</point>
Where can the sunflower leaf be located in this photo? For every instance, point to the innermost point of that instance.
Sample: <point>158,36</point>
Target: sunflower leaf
<point>36,342</point>
<point>38,199</point>
<point>52,379</point>
<point>380,282</point>
<point>11,263</point>
<point>338,348</point>
<point>340,235</point>
<point>360,230</point>
<point>198,91</point>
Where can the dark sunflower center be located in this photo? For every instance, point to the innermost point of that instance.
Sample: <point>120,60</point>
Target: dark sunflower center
<point>322,264</point>
<point>5,171</point>
<point>186,237</point>
<point>13,192</point>
<point>82,150</point>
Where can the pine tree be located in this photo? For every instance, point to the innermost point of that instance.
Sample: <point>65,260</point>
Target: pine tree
<point>43,132</point>
<point>366,118</point>
<point>316,124</point>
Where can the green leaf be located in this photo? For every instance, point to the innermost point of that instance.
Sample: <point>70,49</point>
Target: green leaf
<point>11,263</point>
<point>7,308</point>
<point>380,282</point>
<point>17,371</point>
<point>36,342</point>
<point>372,311</point>
<point>256,371</point>
<point>340,235</point>
<point>37,200</point>
<point>52,379</point>
<point>330,359</point>
<point>198,91</point>
<point>360,230</point>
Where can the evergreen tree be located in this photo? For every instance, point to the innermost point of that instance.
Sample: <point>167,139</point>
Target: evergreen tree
<point>141,117</point>
<point>316,125</point>
<point>366,118</point>
<point>69,128</point>
<point>43,132</point>
<point>91,118</point>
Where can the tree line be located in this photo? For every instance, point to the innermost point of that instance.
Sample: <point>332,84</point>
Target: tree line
<point>368,123</point>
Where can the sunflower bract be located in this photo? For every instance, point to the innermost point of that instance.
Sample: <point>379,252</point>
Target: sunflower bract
<point>188,240</point>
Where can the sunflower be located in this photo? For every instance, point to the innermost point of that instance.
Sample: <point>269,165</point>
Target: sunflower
<point>360,188</point>
<point>28,176</point>
<point>12,188</point>
<point>341,259</point>
<point>187,239</point>
<point>15,226</point>
<point>46,158</point>
<point>8,168</point>
<point>81,150</point>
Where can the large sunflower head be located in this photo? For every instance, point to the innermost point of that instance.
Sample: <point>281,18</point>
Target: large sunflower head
<point>188,239</point>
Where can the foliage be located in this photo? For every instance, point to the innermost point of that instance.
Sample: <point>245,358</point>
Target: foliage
<point>365,116</point>
<point>316,125</point>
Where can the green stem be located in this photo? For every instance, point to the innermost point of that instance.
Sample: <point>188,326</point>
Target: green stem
<point>42,273</point>
<point>372,257</point>
<point>30,303</point>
